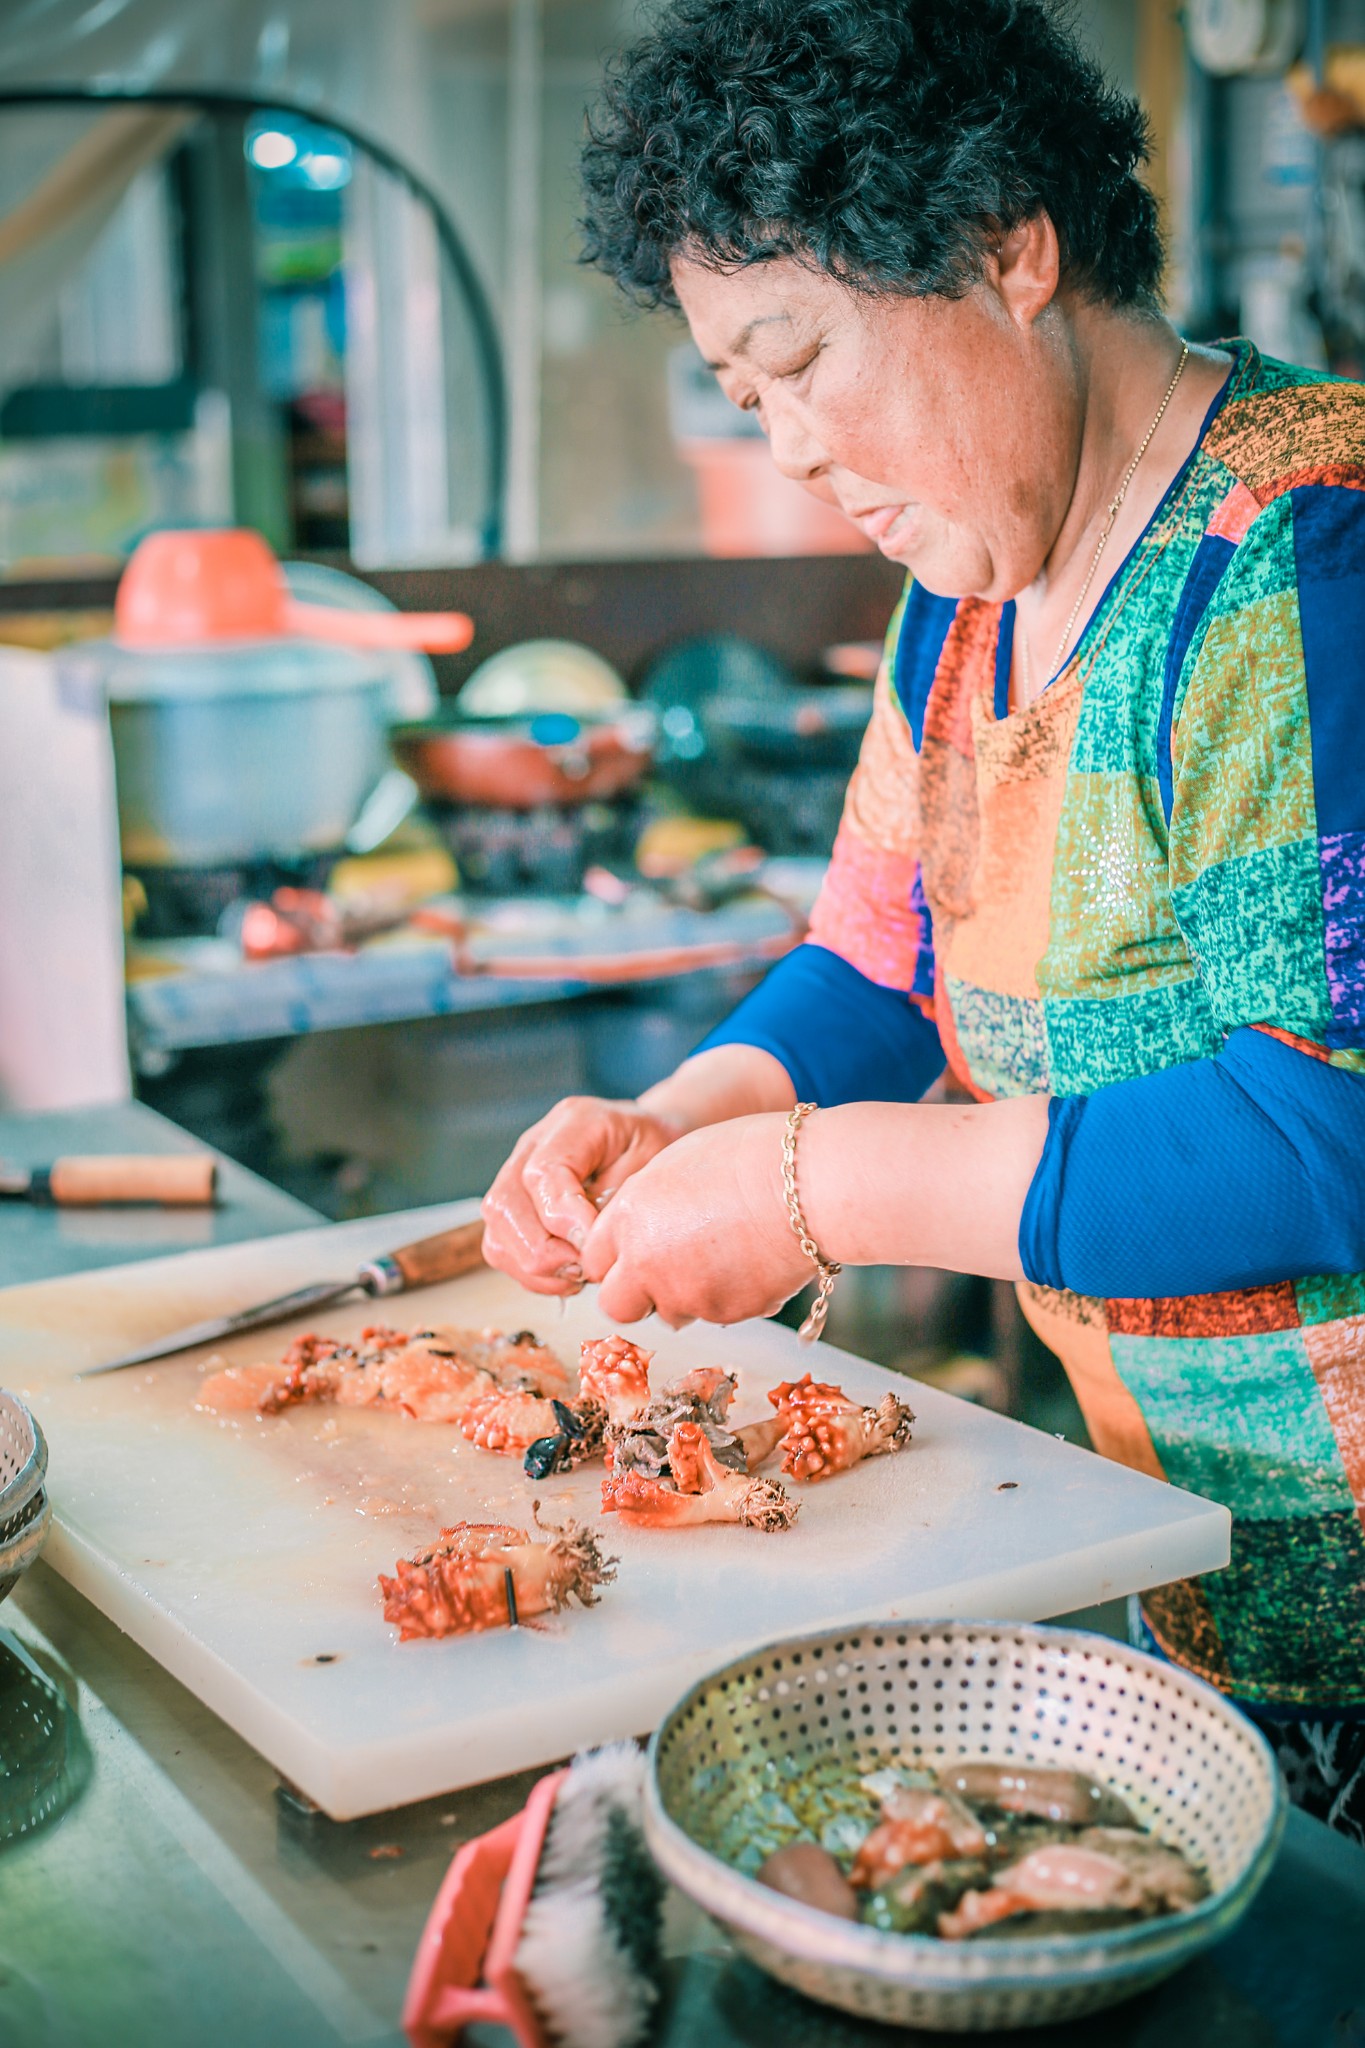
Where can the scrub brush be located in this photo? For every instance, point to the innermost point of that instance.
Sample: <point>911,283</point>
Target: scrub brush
<point>550,1924</point>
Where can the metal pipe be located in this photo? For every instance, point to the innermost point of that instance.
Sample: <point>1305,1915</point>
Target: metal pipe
<point>524,204</point>
<point>487,344</point>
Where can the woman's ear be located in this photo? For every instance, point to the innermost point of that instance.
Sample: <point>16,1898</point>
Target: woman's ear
<point>1024,268</point>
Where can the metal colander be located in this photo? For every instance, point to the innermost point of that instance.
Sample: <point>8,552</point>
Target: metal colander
<point>1188,1764</point>
<point>25,1510</point>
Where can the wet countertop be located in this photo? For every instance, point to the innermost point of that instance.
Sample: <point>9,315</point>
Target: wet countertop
<point>42,1243</point>
<point>178,1895</point>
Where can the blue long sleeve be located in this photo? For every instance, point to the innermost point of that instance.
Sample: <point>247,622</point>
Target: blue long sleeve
<point>841,1037</point>
<point>1236,1171</point>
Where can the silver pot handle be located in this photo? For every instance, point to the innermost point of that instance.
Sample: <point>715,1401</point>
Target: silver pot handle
<point>382,812</point>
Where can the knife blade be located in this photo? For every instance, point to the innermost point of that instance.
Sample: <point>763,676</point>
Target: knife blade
<point>426,1263</point>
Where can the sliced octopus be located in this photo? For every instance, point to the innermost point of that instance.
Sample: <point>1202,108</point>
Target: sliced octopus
<point>501,1392</point>
<point>482,1575</point>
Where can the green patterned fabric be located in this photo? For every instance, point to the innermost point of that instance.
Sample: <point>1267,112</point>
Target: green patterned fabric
<point>1166,846</point>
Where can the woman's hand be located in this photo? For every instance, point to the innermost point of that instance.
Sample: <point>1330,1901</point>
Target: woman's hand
<point>543,1204</point>
<point>701,1231</point>
<point>541,1207</point>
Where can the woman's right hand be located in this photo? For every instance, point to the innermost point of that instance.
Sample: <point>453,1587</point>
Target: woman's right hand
<point>545,1200</point>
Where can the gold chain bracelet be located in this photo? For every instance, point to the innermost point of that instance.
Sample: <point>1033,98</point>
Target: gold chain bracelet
<point>826,1269</point>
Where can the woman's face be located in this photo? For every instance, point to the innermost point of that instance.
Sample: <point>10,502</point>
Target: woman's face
<point>947,429</point>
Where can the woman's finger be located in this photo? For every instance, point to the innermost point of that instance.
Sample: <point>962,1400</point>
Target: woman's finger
<point>557,1192</point>
<point>598,1254</point>
<point>623,1299</point>
<point>516,1240</point>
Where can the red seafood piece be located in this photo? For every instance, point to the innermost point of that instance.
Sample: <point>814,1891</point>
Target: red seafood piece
<point>917,1826</point>
<point>461,1583</point>
<point>433,1376</point>
<point>829,1433</point>
<point>714,1492</point>
<point>509,1422</point>
<point>687,1453</point>
<point>1103,1869</point>
<point>615,1372</point>
<point>710,1384</point>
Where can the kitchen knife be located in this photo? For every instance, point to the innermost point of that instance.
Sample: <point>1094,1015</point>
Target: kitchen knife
<point>432,1259</point>
<point>174,1180</point>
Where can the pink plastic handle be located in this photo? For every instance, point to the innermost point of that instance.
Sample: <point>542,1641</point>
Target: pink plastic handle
<point>421,632</point>
<point>464,1967</point>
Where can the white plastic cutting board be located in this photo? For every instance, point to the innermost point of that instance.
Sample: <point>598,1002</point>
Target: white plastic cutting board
<point>243,1554</point>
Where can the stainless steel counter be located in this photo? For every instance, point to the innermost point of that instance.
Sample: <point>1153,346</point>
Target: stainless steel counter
<point>41,1243</point>
<point>186,1901</point>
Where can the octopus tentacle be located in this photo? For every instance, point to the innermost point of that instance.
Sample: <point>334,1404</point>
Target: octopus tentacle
<point>459,1584</point>
<point>698,1489</point>
<point>828,1433</point>
<point>442,1376</point>
<point>761,1439</point>
<point>615,1372</point>
<point>510,1421</point>
<point>711,1385</point>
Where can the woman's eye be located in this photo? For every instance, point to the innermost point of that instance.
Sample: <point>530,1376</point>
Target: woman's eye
<point>790,376</point>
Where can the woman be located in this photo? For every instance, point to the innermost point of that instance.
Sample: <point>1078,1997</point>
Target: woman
<point>1104,851</point>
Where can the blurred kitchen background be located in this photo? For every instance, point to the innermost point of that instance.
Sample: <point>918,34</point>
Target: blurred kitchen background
<point>357,914</point>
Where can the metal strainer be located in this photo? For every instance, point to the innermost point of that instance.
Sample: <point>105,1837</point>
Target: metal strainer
<point>1188,1764</point>
<point>25,1510</point>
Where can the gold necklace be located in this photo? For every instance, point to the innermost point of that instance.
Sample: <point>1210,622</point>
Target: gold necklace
<point>1115,506</point>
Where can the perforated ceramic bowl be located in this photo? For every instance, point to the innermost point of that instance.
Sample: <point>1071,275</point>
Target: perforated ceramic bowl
<point>1189,1765</point>
<point>25,1510</point>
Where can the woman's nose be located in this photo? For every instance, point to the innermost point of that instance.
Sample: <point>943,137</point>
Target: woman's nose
<point>795,449</point>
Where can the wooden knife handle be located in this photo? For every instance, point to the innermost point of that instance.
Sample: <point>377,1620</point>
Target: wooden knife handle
<point>443,1257</point>
<point>175,1180</point>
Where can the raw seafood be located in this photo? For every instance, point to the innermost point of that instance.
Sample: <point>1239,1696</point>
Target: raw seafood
<point>502,1392</point>
<point>913,1901</point>
<point>973,1850</point>
<point>917,1826</point>
<point>821,1431</point>
<point>694,1486</point>
<point>615,1372</point>
<point>805,1871</point>
<point>1042,1789</point>
<point>679,1460</point>
<point>614,1389</point>
<point>761,1439</point>
<point>1103,1870</point>
<point>709,1384</point>
<point>480,1575</point>
<point>827,1432</point>
<point>703,1397</point>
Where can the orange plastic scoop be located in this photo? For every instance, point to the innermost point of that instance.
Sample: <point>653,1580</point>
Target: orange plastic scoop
<point>183,588</point>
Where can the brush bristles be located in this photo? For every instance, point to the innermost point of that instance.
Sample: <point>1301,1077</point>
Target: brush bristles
<point>588,1953</point>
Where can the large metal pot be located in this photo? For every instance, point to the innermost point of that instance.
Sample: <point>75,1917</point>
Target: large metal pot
<point>239,751</point>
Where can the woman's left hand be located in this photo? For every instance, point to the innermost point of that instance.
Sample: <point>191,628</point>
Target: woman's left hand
<point>701,1232</point>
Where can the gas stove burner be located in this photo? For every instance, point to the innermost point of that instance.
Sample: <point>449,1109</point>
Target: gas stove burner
<point>788,812</point>
<point>543,852</point>
<point>190,903</point>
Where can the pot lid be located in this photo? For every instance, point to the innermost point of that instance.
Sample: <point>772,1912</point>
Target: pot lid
<point>229,668</point>
<point>535,676</point>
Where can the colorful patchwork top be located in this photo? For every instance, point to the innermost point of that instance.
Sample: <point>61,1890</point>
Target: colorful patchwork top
<point>1143,895</point>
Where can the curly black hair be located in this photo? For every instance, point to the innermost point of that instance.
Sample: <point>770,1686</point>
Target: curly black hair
<point>887,142</point>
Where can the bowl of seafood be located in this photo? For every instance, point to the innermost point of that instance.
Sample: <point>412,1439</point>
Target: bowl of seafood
<point>25,1510</point>
<point>963,1825</point>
